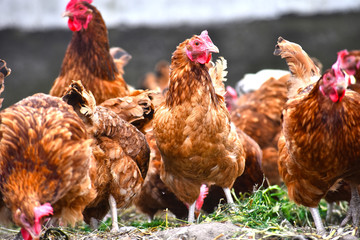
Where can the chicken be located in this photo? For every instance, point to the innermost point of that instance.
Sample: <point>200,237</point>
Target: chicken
<point>87,57</point>
<point>318,145</point>
<point>121,156</point>
<point>121,58</point>
<point>350,63</point>
<point>197,141</point>
<point>156,196</point>
<point>263,107</point>
<point>158,80</point>
<point>138,108</point>
<point>45,161</point>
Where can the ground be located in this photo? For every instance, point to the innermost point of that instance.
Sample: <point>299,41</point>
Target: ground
<point>266,214</point>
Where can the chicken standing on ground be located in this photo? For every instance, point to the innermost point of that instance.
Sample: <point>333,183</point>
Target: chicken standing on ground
<point>88,57</point>
<point>198,143</point>
<point>318,146</point>
<point>45,158</point>
<point>121,156</point>
<point>156,196</point>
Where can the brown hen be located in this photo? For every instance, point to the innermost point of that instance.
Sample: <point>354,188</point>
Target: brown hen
<point>45,160</point>
<point>121,155</point>
<point>259,117</point>
<point>198,143</point>
<point>87,57</point>
<point>318,145</point>
<point>156,196</point>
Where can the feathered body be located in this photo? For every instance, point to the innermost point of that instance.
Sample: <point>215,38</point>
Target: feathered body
<point>138,108</point>
<point>198,143</point>
<point>318,146</point>
<point>252,178</point>
<point>87,57</point>
<point>156,196</point>
<point>120,150</point>
<point>45,159</point>
<point>322,145</point>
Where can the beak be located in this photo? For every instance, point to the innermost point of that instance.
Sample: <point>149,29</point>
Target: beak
<point>341,88</point>
<point>67,14</point>
<point>213,49</point>
<point>351,78</point>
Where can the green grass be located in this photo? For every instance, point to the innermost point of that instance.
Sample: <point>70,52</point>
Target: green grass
<point>268,209</point>
<point>266,212</point>
<point>265,208</point>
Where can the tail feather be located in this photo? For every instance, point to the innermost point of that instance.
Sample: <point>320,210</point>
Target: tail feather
<point>82,101</point>
<point>300,64</point>
<point>137,108</point>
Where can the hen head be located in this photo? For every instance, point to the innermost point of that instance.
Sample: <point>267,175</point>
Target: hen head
<point>79,14</point>
<point>199,48</point>
<point>230,97</point>
<point>333,85</point>
<point>31,221</point>
<point>348,62</point>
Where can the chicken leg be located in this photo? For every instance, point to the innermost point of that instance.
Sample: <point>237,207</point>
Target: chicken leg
<point>229,198</point>
<point>329,212</point>
<point>320,229</point>
<point>354,207</point>
<point>191,218</point>
<point>113,211</point>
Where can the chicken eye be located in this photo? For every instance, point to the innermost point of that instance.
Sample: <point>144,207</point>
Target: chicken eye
<point>197,43</point>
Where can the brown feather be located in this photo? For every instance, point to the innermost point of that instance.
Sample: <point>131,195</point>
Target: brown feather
<point>45,157</point>
<point>194,133</point>
<point>318,144</point>
<point>121,153</point>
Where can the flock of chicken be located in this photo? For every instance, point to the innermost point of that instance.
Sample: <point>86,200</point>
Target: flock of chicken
<point>95,144</point>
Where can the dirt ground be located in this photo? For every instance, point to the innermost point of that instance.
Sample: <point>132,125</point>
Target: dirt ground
<point>200,231</point>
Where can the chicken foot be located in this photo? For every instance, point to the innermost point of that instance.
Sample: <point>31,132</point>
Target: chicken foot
<point>354,207</point>
<point>320,229</point>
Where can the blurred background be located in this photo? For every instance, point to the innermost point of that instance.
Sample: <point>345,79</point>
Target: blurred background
<point>34,36</point>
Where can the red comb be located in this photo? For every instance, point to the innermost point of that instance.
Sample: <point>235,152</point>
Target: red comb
<point>343,53</point>
<point>43,210</point>
<point>205,36</point>
<point>40,212</point>
<point>231,91</point>
<point>73,2</point>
